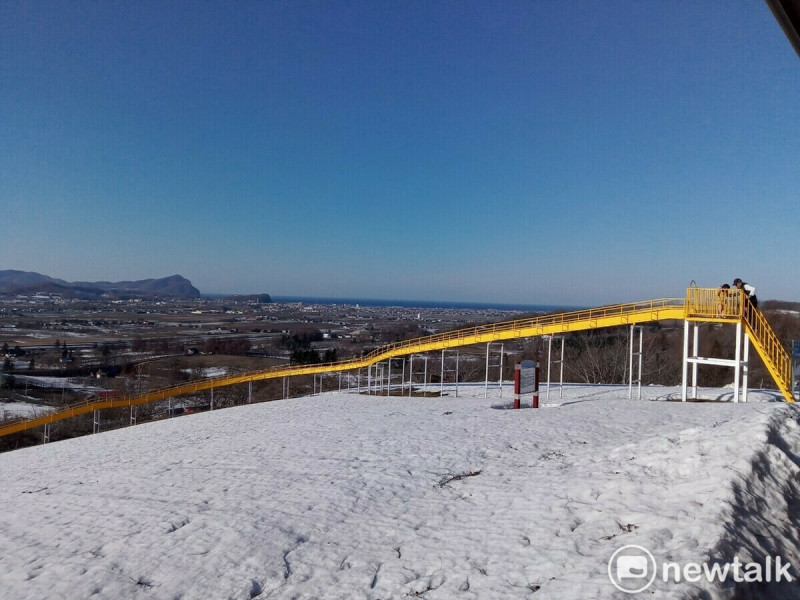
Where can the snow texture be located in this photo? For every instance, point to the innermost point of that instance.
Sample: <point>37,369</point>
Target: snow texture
<point>56,383</point>
<point>209,371</point>
<point>13,410</point>
<point>350,496</point>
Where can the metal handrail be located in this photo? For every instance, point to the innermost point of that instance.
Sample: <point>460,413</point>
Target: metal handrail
<point>542,321</point>
<point>772,351</point>
<point>734,305</point>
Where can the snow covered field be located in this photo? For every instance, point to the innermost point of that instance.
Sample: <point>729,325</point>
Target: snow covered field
<point>56,383</point>
<point>209,371</point>
<point>13,410</point>
<point>348,496</point>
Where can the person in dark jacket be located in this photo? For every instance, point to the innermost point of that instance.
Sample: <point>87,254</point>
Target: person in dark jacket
<point>749,290</point>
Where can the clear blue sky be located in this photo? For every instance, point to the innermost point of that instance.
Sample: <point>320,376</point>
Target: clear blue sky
<point>531,152</point>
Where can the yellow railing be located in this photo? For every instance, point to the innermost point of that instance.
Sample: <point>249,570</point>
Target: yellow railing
<point>769,347</point>
<point>733,305</point>
<point>699,304</point>
<point>605,316</point>
<point>710,304</point>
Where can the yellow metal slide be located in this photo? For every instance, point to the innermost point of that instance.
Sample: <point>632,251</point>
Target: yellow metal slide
<point>698,305</point>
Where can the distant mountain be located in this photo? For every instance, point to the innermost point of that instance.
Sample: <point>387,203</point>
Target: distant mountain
<point>25,282</point>
<point>12,277</point>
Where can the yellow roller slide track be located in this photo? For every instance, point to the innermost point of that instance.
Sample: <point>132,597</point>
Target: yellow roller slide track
<point>700,304</point>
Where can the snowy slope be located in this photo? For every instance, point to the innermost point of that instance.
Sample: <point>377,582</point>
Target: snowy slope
<point>348,496</point>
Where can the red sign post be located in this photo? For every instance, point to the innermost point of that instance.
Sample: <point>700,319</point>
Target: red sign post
<point>526,380</point>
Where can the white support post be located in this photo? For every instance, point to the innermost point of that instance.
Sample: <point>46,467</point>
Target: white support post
<point>486,374</point>
<point>96,421</point>
<point>249,392</point>
<point>373,380</point>
<point>695,354</point>
<point>455,372</point>
<point>424,374</point>
<point>212,399</point>
<point>441,378</point>
<point>410,375</point>
<point>500,365</point>
<point>745,366</point>
<point>170,411</point>
<point>641,359</point>
<point>389,379</point>
<point>425,378</point>
<point>46,436</point>
<point>134,412</point>
<point>685,360</point>
<point>402,376</point>
<point>561,372</point>
<point>560,363</point>
<point>633,354</point>
<point>630,362</point>
<point>549,339</point>
<point>445,370</point>
<point>500,376</point>
<point>457,354</point>
<point>738,365</point>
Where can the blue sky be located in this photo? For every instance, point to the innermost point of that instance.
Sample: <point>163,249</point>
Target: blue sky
<point>530,152</point>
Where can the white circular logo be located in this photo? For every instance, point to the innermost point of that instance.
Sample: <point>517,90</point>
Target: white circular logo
<point>632,569</point>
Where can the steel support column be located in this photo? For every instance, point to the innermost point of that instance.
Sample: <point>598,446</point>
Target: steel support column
<point>638,355</point>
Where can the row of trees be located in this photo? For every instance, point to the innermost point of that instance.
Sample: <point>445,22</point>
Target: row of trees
<point>309,356</point>
<point>213,345</point>
<point>16,351</point>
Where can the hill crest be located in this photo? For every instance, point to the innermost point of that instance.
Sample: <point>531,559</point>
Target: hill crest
<point>27,282</point>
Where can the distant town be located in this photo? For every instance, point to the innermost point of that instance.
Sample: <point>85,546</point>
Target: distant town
<point>60,347</point>
<point>65,343</point>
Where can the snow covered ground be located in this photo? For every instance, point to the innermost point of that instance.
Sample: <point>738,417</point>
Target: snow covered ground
<point>13,410</point>
<point>57,383</point>
<point>209,371</point>
<point>348,496</point>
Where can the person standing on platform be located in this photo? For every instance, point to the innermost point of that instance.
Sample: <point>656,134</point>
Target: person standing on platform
<point>724,300</point>
<point>749,290</point>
